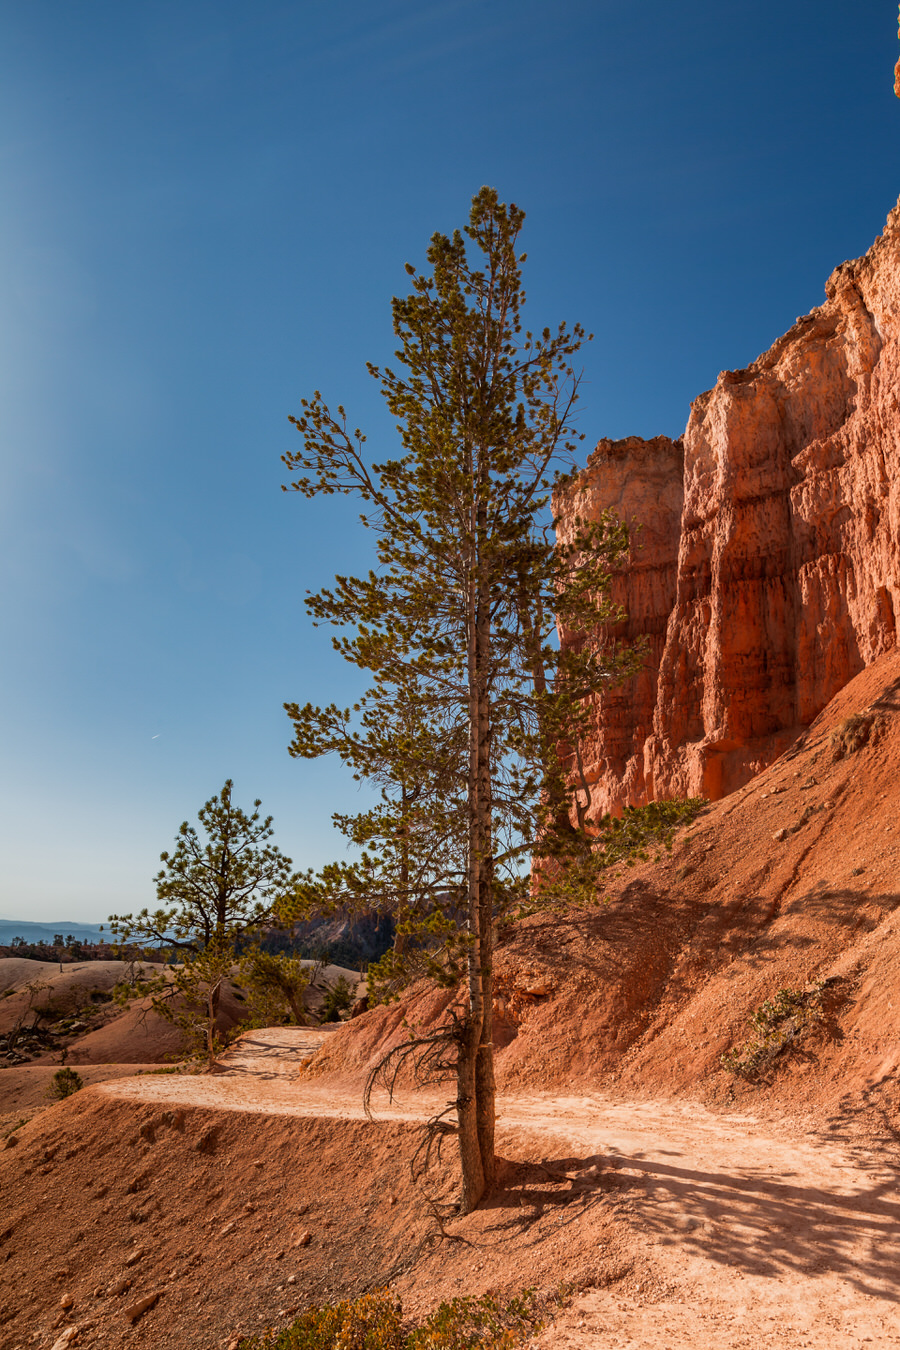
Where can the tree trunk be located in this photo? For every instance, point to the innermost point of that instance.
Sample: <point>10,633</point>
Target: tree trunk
<point>473,1180</point>
<point>475,1064</point>
<point>212,1007</point>
<point>485,1084</point>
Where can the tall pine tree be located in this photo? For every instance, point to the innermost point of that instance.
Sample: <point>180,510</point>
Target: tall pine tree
<point>456,624</point>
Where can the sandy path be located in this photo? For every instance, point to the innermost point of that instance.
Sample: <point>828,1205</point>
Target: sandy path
<point>758,1236</point>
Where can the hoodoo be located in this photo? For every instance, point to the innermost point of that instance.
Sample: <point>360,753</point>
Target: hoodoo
<point>766,572</point>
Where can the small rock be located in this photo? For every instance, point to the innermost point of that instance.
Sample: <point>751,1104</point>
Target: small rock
<point>66,1301</point>
<point>133,1259</point>
<point>779,836</point>
<point>207,1141</point>
<point>304,1239</point>
<point>136,1310</point>
<point>250,1207</point>
<point>857,871</point>
<point>66,1339</point>
<point>292,1279</point>
<point>229,1228</point>
<point>10,1141</point>
<point>148,1131</point>
<point>119,1286</point>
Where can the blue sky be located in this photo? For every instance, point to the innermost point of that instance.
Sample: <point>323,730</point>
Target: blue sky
<point>205,209</point>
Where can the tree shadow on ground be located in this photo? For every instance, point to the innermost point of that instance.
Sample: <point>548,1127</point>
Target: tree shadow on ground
<point>748,1220</point>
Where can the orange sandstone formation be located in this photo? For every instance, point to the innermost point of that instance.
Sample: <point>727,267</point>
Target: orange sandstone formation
<point>766,573</point>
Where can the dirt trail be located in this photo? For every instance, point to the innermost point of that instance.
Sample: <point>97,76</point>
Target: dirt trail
<point>752,1235</point>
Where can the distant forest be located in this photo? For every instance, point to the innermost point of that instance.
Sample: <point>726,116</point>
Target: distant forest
<point>338,942</point>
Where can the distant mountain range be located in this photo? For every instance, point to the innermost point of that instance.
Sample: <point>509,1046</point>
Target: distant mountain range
<point>37,932</point>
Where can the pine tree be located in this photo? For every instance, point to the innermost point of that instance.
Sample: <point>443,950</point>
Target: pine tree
<point>216,888</point>
<point>456,624</point>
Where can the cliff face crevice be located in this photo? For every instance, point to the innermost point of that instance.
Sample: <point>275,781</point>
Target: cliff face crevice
<point>766,569</point>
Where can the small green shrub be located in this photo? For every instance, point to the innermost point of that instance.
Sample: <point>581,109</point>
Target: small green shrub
<point>481,1322</point>
<point>65,1082</point>
<point>338,999</point>
<point>375,1322</point>
<point>777,1024</point>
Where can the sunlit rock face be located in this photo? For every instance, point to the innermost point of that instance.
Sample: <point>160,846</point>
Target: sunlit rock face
<point>766,573</point>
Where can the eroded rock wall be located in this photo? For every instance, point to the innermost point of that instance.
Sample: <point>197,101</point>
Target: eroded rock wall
<point>767,571</point>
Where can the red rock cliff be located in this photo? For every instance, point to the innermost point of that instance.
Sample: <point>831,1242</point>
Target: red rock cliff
<point>767,569</point>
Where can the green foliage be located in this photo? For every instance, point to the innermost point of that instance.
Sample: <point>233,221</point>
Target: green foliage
<point>65,1082</point>
<point>777,1024</point>
<point>627,839</point>
<point>187,995</point>
<point>275,984</point>
<point>481,1322</point>
<point>219,887</point>
<point>338,999</point>
<point>461,521</point>
<point>374,1322</point>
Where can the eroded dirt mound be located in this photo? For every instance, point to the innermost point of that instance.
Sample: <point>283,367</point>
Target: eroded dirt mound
<point>792,882</point>
<point>72,1012</point>
<point>44,991</point>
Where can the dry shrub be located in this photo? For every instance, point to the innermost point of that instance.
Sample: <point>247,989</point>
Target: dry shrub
<point>852,734</point>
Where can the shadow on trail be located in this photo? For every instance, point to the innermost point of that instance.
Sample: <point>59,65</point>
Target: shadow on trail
<point>257,1058</point>
<point>755,1223</point>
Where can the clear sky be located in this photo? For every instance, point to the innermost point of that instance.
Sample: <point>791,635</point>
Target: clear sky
<point>205,208</point>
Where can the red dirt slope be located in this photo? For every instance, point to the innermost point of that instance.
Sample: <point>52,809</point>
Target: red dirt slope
<point>794,878</point>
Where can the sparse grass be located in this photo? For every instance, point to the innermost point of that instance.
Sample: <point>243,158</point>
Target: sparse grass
<point>852,734</point>
<point>777,1024</point>
<point>375,1322</point>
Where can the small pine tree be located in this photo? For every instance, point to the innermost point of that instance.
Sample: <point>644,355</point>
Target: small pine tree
<point>214,892</point>
<point>65,1082</point>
